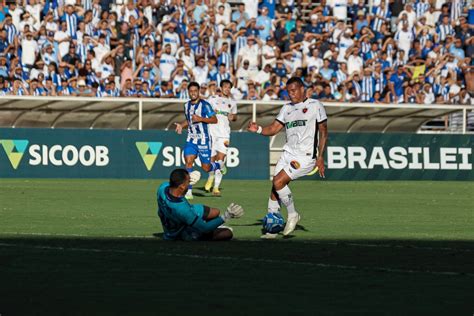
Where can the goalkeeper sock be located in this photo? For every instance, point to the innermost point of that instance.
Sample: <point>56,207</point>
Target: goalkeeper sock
<point>273,206</point>
<point>218,179</point>
<point>287,199</point>
<point>211,175</point>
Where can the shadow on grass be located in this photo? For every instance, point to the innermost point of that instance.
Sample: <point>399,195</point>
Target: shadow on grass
<point>74,276</point>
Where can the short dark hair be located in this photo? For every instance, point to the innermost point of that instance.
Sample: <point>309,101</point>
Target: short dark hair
<point>224,82</point>
<point>178,177</point>
<point>296,80</point>
<point>194,84</point>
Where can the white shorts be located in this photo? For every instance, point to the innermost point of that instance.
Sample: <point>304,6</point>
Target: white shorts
<point>295,166</point>
<point>219,144</point>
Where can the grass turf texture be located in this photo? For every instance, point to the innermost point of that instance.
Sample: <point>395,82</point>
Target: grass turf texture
<point>381,248</point>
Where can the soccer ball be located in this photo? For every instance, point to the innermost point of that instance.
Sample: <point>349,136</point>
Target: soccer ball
<point>273,223</point>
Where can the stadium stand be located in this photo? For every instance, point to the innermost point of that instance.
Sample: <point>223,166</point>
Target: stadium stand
<point>376,51</point>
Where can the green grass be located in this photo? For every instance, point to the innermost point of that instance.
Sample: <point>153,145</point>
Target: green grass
<point>381,248</point>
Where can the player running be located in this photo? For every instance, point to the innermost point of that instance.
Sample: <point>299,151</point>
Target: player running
<point>226,111</point>
<point>183,221</point>
<point>199,115</point>
<point>303,119</point>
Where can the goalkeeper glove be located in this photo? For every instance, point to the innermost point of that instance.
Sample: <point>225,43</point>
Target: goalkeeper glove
<point>233,211</point>
<point>194,177</point>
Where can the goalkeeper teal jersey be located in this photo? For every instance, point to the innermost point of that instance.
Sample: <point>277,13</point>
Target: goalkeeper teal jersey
<point>179,217</point>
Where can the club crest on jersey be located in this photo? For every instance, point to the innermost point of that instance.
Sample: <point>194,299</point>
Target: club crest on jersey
<point>295,164</point>
<point>305,110</point>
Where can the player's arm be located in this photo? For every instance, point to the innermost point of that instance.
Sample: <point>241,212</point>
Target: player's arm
<point>232,117</point>
<point>209,116</point>
<point>323,138</point>
<point>181,126</point>
<point>233,112</point>
<point>208,120</point>
<point>207,226</point>
<point>269,130</point>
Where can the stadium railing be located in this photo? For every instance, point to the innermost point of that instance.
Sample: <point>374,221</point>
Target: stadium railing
<point>140,113</point>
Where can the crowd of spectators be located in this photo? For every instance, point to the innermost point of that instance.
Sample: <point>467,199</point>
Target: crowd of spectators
<point>388,51</point>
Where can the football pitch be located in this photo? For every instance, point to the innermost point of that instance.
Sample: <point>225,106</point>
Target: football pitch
<point>77,247</point>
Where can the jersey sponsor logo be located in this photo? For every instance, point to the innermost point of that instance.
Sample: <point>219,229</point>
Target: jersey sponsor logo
<point>149,151</point>
<point>222,113</point>
<point>295,164</point>
<point>296,123</point>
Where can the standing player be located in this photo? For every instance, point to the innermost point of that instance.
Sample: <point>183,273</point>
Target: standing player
<point>184,221</point>
<point>226,111</point>
<point>199,115</point>
<point>303,120</point>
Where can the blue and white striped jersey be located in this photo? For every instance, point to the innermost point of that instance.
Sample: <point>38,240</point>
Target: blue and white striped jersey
<point>198,132</point>
<point>71,21</point>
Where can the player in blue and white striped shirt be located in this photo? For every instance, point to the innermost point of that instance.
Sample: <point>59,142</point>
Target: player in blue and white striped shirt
<point>199,114</point>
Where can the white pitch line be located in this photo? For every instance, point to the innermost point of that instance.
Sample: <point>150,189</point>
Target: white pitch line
<point>332,243</point>
<point>248,259</point>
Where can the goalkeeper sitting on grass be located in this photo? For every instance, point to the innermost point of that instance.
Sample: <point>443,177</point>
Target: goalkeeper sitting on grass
<point>183,221</point>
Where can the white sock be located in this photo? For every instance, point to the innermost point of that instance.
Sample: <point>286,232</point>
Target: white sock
<point>287,199</point>
<point>217,179</point>
<point>273,206</point>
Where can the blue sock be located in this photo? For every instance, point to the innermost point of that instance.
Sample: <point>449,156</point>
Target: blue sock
<point>215,166</point>
<point>190,187</point>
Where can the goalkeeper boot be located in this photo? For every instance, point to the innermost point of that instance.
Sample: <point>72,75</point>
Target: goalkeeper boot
<point>216,192</point>
<point>189,195</point>
<point>209,183</point>
<point>291,224</point>
<point>269,236</point>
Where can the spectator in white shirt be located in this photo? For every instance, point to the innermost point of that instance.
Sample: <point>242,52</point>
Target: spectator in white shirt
<point>167,63</point>
<point>201,71</point>
<point>62,39</point>
<point>250,52</point>
<point>404,39</point>
<point>429,97</point>
<point>29,48</point>
<point>171,37</point>
<point>354,63</point>
<point>269,52</point>
<point>411,15</point>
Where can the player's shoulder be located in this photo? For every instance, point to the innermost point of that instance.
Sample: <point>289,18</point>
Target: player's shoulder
<point>161,189</point>
<point>205,102</point>
<point>311,101</point>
